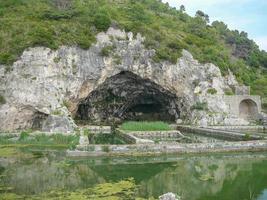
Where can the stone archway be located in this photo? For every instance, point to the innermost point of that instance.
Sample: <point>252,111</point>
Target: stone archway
<point>127,96</point>
<point>248,109</point>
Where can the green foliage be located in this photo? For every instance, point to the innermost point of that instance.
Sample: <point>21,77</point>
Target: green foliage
<point>66,104</point>
<point>117,59</point>
<point>247,136</point>
<point>200,106</point>
<point>58,15</point>
<point>228,91</point>
<point>57,59</point>
<point>212,91</point>
<point>105,148</point>
<point>167,31</point>
<point>124,189</point>
<point>42,140</point>
<point>102,21</point>
<point>107,50</point>
<point>107,139</point>
<point>56,112</point>
<point>24,135</point>
<point>2,100</point>
<point>145,126</point>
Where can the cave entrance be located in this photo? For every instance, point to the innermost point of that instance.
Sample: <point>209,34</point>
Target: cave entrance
<point>248,109</point>
<point>127,96</point>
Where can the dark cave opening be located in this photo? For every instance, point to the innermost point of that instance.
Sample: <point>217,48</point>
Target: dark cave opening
<point>127,96</point>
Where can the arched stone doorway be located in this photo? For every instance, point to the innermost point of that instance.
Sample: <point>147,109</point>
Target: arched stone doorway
<point>127,96</point>
<point>248,109</point>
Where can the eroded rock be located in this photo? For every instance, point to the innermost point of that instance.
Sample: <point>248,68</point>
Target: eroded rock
<point>44,82</point>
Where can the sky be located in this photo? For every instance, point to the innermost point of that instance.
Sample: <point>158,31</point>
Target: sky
<point>244,15</point>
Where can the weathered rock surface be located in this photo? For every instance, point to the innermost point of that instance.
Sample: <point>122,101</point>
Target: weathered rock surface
<point>168,196</point>
<point>45,83</point>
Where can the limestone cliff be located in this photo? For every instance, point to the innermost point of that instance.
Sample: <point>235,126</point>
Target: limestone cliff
<point>45,88</point>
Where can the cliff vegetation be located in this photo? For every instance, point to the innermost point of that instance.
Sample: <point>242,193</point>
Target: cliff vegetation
<point>52,23</point>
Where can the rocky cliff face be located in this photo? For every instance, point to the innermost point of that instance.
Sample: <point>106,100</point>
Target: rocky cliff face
<point>45,89</point>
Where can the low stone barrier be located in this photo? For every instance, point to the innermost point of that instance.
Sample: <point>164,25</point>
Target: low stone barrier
<point>98,129</point>
<point>147,137</point>
<point>147,149</point>
<point>237,127</point>
<point>220,134</point>
<point>156,134</point>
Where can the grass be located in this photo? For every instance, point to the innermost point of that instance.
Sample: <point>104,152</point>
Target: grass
<point>56,141</point>
<point>145,126</point>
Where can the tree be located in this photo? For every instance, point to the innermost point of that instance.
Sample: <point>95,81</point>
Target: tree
<point>182,8</point>
<point>203,16</point>
<point>220,27</point>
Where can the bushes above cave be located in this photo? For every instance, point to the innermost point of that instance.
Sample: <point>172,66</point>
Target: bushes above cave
<point>167,30</point>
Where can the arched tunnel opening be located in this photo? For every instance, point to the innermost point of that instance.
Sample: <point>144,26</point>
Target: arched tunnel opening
<point>127,96</point>
<point>248,109</point>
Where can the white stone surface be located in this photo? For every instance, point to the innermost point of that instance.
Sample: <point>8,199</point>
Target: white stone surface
<point>42,80</point>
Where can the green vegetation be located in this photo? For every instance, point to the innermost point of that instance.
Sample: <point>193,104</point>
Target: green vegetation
<point>200,106</point>
<point>2,100</point>
<point>107,50</point>
<point>145,126</point>
<point>40,141</point>
<point>264,107</point>
<point>167,30</point>
<point>56,112</point>
<point>124,189</point>
<point>229,92</point>
<point>56,59</point>
<point>212,91</point>
<point>247,136</point>
<point>105,149</point>
<point>107,139</point>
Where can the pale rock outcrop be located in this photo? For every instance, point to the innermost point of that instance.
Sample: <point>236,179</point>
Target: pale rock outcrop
<point>169,196</point>
<point>44,83</point>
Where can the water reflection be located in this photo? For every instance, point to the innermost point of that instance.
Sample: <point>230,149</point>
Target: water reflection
<point>240,176</point>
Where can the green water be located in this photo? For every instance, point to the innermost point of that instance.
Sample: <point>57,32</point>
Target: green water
<point>196,177</point>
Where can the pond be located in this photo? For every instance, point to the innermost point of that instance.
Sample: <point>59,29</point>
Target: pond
<point>193,177</point>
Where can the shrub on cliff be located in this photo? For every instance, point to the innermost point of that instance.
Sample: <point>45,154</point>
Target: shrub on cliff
<point>167,31</point>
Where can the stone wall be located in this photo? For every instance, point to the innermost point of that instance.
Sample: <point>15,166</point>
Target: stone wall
<point>147,137</point>
<point>221,134</point>
<point>147,149</point>
<point>242,90</point>
<point>233,104</point>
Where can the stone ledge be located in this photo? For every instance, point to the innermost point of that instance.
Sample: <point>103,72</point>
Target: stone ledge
<point>147,149</point>
<point>221,134</point>
<point>237,127</point>
<point>98,129</point>
<point>146,137</point>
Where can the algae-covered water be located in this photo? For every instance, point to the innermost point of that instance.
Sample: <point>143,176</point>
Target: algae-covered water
<point>193,177</point>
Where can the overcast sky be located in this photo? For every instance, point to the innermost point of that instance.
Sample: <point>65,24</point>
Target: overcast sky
<point>244,15</point>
